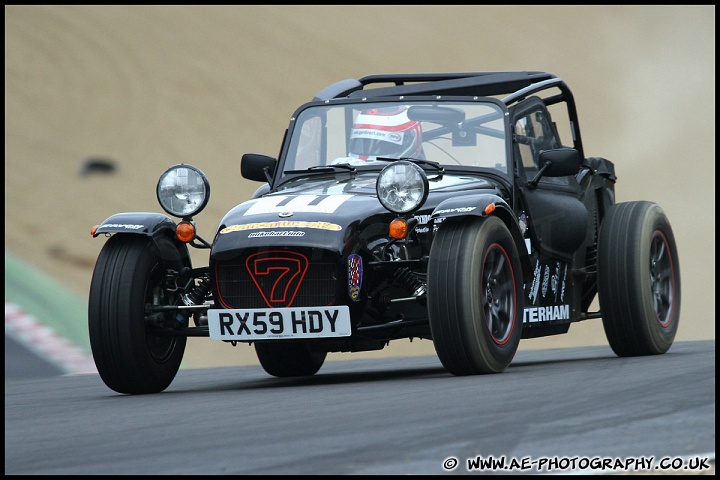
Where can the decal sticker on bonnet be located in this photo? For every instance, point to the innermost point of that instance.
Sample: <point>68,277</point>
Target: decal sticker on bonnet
<point>277,233</point>
<point>298,203</point>
<point>281,224</point>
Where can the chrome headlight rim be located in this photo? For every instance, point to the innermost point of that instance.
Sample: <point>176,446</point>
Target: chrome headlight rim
<point>398,180</point>
<point>196,187</point>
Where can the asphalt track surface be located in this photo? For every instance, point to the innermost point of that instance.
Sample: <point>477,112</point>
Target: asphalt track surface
<point>373,416</point>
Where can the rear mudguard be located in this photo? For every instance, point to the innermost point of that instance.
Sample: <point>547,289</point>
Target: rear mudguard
<point>455,209</point>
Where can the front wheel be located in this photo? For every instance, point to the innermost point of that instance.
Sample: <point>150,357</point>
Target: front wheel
<point>289,358</point>
<point>128,279</point>
<point>638,279</point>
<point>475,296</point>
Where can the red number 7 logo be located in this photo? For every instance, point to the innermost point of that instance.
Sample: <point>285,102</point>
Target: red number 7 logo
<point>278,275</point>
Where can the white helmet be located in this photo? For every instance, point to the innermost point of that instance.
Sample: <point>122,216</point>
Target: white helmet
<point>385,132</point>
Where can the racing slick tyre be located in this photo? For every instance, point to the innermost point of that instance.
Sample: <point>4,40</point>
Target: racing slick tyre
<point>475,296</point>
<point>289,359</point>
<point>638,279</point>
<point>129,276</point>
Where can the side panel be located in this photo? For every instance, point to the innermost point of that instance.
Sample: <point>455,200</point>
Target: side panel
<point>549,295</point>
<point>558,221</point>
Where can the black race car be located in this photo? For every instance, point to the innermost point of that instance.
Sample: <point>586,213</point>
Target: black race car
<point>455,207</point>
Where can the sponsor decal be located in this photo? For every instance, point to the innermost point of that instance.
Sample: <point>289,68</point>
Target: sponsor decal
<point>297,203</point>
<point>557,285</point>
<point>122,225</point>
<point>277,274</point>
<point>277,233</point>
<point>532,296</point>
<point>354,276</point>
<point>546,314</point>
<point>393,137</point>
<point>422,219</point>
<point>454,210</point>
<point>546,279</point>
<point>554,280</point>
<point>549,281</point>
<point>281,224</point>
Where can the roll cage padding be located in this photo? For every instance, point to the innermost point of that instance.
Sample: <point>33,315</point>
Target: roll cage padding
<point>601,166</point>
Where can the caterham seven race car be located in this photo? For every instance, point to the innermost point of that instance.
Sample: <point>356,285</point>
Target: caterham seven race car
<point>454,207</point>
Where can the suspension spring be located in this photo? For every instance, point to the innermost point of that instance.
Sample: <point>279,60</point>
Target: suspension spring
<point>196,296</point>
<point>405,278</point>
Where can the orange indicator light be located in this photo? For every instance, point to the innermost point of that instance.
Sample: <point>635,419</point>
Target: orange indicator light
<point>398,228</point>
<point>185,232</point>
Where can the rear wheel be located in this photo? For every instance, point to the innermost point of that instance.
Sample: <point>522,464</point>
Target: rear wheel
<point>638,279</point>
<point>128,278</point>
<point>475,296</point>
<point>289,359</point>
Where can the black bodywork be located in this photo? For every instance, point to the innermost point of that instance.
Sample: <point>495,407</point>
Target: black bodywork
<point>565,219</point>
<point>325,226</point>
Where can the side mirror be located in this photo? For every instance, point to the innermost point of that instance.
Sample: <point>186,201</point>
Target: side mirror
<point>563,162</point>
<point>558,162</point>
<point>257,167</point>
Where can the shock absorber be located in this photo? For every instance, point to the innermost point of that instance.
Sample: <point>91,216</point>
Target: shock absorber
<point>196,296</point>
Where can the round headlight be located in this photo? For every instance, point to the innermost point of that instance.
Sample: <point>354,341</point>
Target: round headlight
<point>183,190</point>
<point>402,187</point>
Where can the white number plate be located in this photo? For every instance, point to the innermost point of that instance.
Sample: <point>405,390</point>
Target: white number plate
<point>269,323</point>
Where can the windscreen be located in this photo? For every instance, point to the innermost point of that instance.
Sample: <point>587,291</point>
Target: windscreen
<point>467,134</point>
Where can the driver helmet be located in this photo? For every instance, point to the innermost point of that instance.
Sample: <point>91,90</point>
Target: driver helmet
<point>385,132</point>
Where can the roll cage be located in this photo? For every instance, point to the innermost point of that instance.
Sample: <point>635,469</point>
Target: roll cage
<point>510,87</point>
